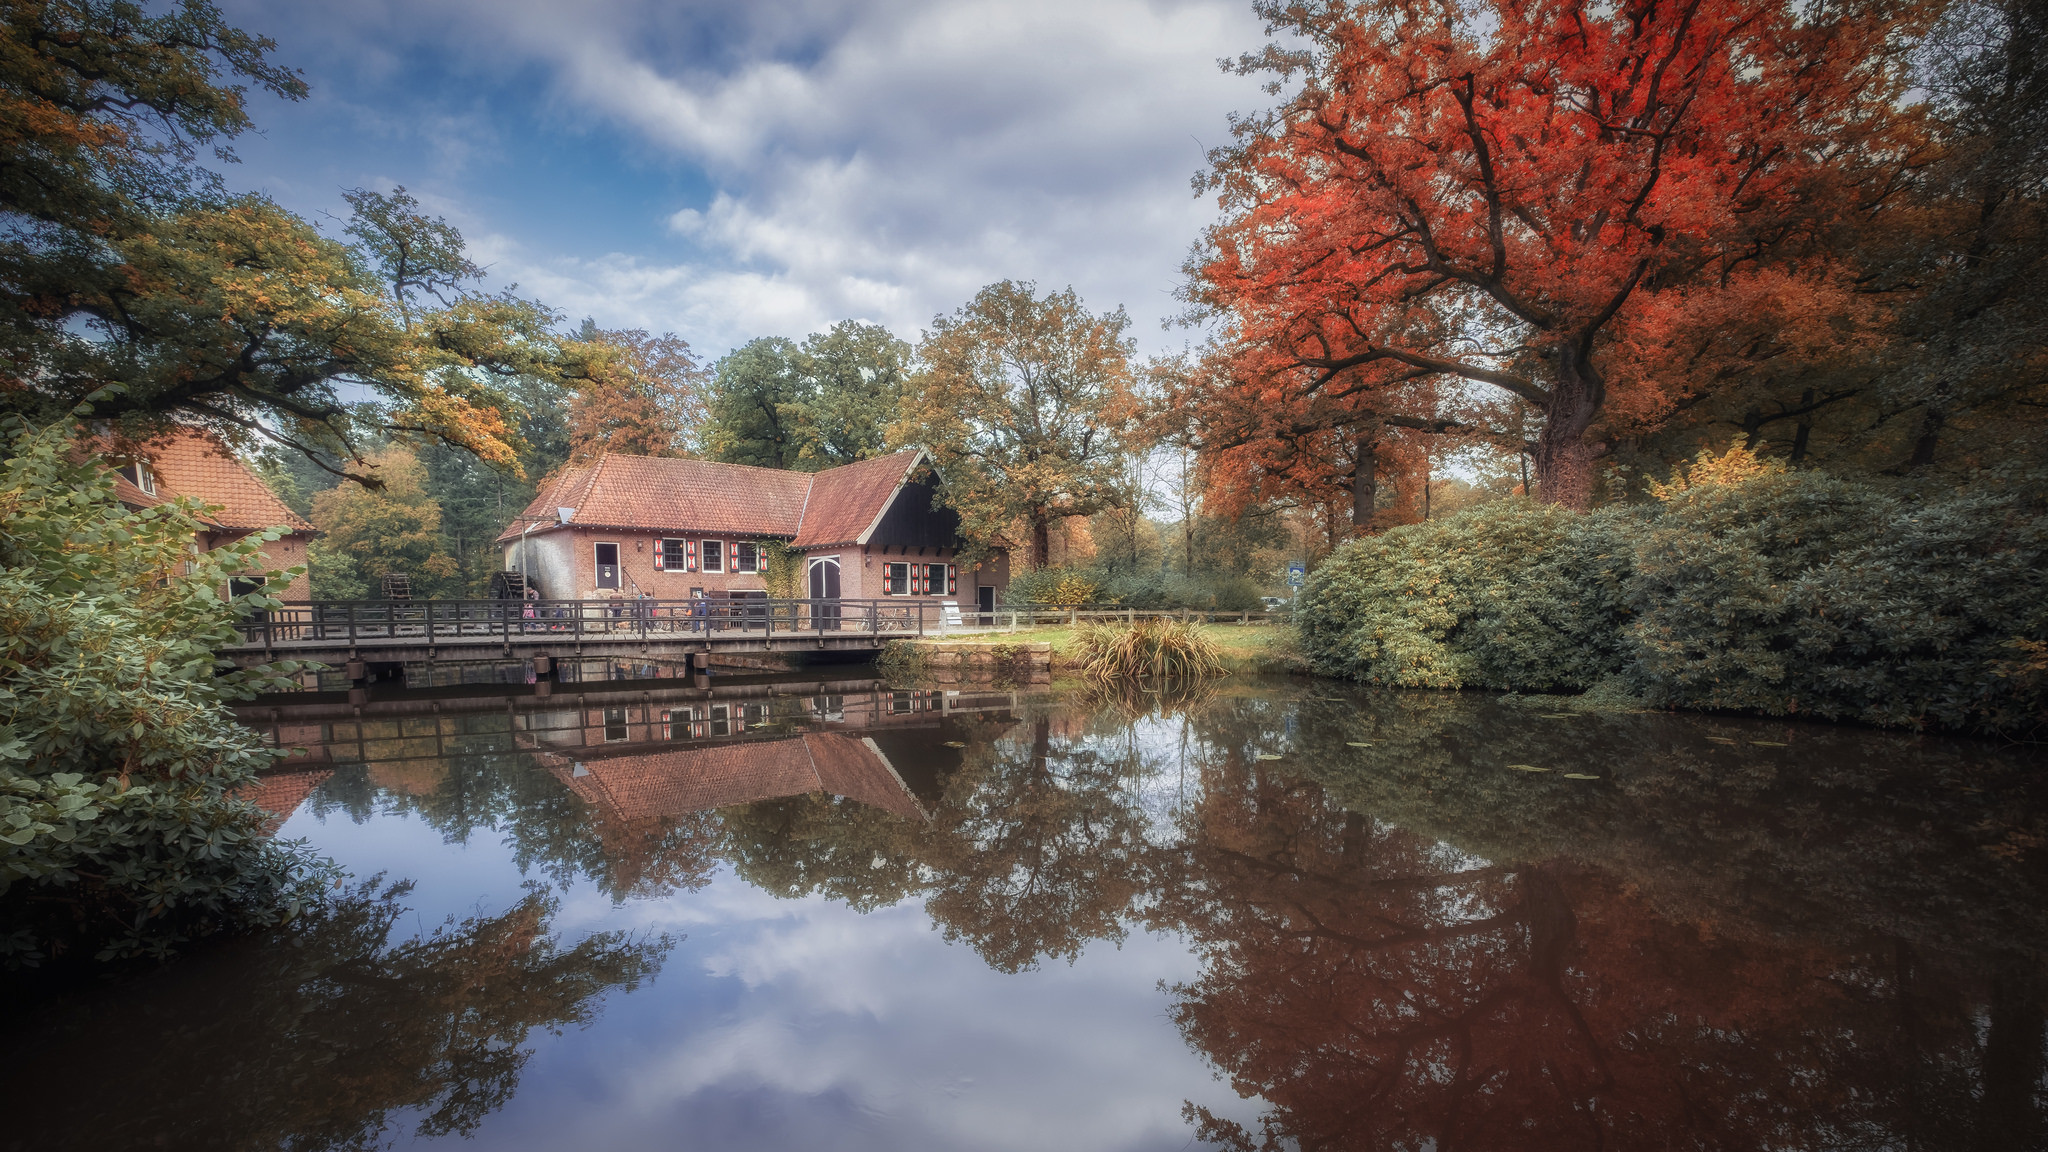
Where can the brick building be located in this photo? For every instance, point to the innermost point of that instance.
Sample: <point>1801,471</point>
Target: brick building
<point>192,462</point>
<point>631,526</point>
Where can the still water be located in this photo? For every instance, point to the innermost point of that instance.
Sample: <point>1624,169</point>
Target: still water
<point>769,914</point>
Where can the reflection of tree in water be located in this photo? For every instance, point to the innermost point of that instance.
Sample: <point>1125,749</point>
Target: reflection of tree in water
<point>1719,943</point>
<point>1035,847</point>
<point>476,780</point>
<point>316,1037</point>
<point>1381,989</point>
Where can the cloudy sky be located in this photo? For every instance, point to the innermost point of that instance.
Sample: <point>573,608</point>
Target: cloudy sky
<point>731,170</point>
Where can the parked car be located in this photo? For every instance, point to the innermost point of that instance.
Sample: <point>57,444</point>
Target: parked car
<point>1273,603</point>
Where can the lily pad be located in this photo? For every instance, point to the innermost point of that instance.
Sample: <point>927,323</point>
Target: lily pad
<point>1579,776</point>
<point>1269,755</point>
<point>1358,743</point>
<point>956,744</point>
<point>1559,715</point>
<point>1527,768</point>
<point>1770,743</point>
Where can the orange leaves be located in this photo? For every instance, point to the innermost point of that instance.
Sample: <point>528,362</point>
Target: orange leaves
<point>1490,194</point>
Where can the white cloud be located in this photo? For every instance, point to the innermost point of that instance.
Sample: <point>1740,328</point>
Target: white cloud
<point>883,162</point>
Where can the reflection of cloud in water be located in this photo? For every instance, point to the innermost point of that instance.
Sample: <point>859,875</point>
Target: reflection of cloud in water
<point>799,1023</point>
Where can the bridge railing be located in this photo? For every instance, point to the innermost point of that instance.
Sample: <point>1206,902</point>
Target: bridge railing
<point>426,622</point>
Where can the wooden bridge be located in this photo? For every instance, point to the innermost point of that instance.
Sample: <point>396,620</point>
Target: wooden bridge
<point>400,631</point>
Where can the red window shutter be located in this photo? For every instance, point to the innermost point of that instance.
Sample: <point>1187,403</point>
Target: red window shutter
<point>692,550</point>
<point>657,555</point>
<point>917,579</point>
<point>952,580</point>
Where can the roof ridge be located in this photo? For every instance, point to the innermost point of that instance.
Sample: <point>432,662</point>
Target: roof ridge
<point>810,486</point>
<point>712,463</point>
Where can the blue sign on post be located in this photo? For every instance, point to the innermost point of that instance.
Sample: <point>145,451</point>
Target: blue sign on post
<point>1297,573</point>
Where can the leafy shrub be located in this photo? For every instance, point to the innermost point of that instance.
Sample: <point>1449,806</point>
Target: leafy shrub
<point>1744,587</point>
<point>1804,593</point>
<point>1125,588</point>
<point>120,833</point>
<point>1511,594</point>
<point>1169,649</point>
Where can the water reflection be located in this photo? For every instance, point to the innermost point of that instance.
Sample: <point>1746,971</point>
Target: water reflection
<point>319,1037</point>
<point>1418,921</point>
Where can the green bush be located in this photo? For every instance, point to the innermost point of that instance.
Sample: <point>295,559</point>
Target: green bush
<point>120,833</point>
<point>1801,593</point>
<point>1511,594</point>
<point>1745,588</point>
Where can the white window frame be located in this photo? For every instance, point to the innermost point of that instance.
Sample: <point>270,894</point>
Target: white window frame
<point>704,549</point>
<point>140,474</point>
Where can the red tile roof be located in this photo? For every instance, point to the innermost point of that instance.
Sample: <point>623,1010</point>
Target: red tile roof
<point>646,493</point>
<point>846,501</point>
<point>717,776</point>
<point>281,793</point>
<point>192,462</point>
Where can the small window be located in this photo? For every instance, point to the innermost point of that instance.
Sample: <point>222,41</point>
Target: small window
<point>935,579</point>
<point>714,555</point>
<point>746,556</point>
<point>721,720</point>
<point>896,582</point>
<point>680,723</point>
<point>142,476</point>
<point>614,725</point>
<point>673,557</point>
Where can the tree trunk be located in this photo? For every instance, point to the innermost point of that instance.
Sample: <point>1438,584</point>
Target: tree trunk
<point>1365,481</point>
<point>1564,461</point>
<point>1803,431</point>
<point>1041,542</point>
<point>2008,1116</point>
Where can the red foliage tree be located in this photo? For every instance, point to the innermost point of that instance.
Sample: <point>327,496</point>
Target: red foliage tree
<point>1516,193</point>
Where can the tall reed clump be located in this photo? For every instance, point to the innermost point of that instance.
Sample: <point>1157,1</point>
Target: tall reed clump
<point>1165,649</point>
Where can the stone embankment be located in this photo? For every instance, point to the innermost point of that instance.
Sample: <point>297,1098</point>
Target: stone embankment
<point>944,663</point>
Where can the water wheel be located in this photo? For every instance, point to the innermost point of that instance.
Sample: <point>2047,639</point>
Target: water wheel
<point>396,586</point>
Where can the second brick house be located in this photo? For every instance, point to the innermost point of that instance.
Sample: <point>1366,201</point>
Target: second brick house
<point>634,526</point>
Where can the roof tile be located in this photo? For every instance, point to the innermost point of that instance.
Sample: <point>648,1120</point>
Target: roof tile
<point>663,495</point>
<point>671,783</point>
<point>193,462</point>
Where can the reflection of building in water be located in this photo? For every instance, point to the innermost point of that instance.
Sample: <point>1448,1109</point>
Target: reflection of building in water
<point>676,781</point>
<point>281,793</point>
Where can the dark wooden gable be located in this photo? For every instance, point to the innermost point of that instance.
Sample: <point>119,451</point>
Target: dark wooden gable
<point>914,519</point>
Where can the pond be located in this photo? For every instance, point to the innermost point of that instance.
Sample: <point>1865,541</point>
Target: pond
<point>780,913</point>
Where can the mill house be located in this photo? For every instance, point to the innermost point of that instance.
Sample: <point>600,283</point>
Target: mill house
<point>642,526</point>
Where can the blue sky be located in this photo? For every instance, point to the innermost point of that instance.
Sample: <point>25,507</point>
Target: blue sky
<point>732,170</point>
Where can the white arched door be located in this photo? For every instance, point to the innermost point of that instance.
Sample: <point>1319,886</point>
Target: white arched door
<point>825,591</point>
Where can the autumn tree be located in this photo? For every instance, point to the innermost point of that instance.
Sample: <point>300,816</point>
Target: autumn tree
<point>125,262</point>
<point>1505,196</point>
<point>394,527</point>
<point>642,395</point>
<point>1025,403</point>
